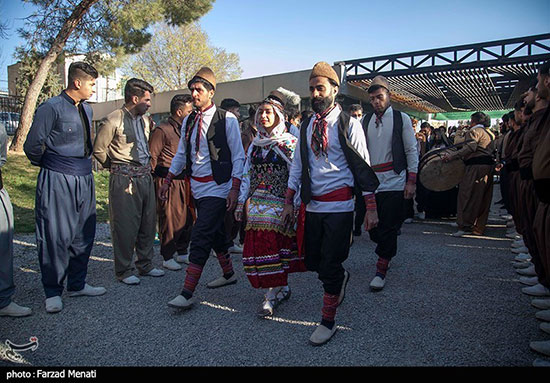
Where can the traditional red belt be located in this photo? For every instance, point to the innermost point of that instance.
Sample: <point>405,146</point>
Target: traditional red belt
<point>203,179</point>
<point>342,194</point>
<point>380,168</point>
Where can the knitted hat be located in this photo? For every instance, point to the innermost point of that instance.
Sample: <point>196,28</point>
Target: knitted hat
<point>377,82</point>
<point>323,69</point>
<point>206,74</point>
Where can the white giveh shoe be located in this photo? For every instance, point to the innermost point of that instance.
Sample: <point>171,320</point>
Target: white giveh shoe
<point>14,310</point>
<point>131,280</point>
<point>377,283</point>
<point>154,273</point>
<point>54,304</point>
<point>171,265</point>
<point>88,290</point>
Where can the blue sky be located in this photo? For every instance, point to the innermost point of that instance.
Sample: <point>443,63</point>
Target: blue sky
<point>281,36</point>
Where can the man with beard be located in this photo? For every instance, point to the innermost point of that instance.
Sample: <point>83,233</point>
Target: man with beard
<point>331,158</point>
<point>121,146</point>
<point>174,218</point>
<point>212,154</point>
<point>393,151</point>
<point>541,180</point>
<point>475,191</point>
<point>528,203</point>
<point>59,141</point>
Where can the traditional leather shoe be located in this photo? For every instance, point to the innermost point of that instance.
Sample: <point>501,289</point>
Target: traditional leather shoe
<point>377,283</point>
<point>541,346</point>
<point>521,265</point>
<point>343,289</point>
<point>518,243</point>
<point>54,304</point>
<point>154,273</point>
<point>237,249</point>
<point>88,290</point>
<point>519,250</point>
<point>408,220</point>
<point>222,281</point>
<point>180,302</point>
<point>131,280</point>
<point>545,326</point>
<point>536,291</point>
<point>543,304</point>
<point>460,233</point>
<point>529,271</point>
<point>541,363</point>
<point>523,257</point>
<point>543,315</point>
<point>321,335</point>
<point>14,310</point>
<point>529,281</point>
<point>513,235</point>
<point>171,264</point>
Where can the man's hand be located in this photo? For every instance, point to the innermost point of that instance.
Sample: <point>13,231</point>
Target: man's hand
<point>163,192</point>
<point>232,199</point>
<point>499,166</point>
<point>288,216</point>
<point>410,189</point>
<point>371,220</point>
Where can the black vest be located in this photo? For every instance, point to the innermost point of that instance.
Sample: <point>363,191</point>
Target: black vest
<point>363,175</point>
<point>220,154</point>
<point>397,146</point>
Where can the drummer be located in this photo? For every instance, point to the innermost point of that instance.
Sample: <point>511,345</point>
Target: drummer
<point>475,191</point>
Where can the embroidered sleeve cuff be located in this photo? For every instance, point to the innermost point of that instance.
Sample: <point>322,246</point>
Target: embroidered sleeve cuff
<point>370,201</point>
<point>236,184</point>
<point>289,196</point>
<point>412,178</point>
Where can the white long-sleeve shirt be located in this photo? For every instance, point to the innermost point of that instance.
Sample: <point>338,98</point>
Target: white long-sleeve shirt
<point>379,143</point>
<point>331,172</point>
<point>200,164</point>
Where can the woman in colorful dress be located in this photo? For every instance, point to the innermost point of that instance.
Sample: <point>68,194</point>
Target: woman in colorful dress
<point>270,251</point>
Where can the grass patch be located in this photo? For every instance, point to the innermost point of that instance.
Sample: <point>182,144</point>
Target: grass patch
<point>19,178</point>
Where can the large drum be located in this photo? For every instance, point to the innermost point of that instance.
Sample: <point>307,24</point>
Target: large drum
<point>437,175</point>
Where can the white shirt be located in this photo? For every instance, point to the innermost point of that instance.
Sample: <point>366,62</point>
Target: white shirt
<point>379,142</point>
<point>200,163</point>
<point>329,173</point>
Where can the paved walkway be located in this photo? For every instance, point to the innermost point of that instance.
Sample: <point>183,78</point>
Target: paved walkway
<point>447,302</point>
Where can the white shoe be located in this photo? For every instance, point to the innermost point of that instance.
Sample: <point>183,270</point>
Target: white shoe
<point>408,220</point>
<point>54,304</point>
<point>222,281</point>
<point>518,243</point>
<point>454,224</point>
<point>543,304</point>
<point>154,273</point>
<point>529,281</point>
<point>422,215</point>
<point>377,283</point>
<point>510,223</point>
<point>521,265</point>
<point>236,249</point>
<point>506,217</point>
<point>180,302</point>
<point>171,265</point>
<point>541,363</point>
<point>131,280</point>
<point>536,291</point>
<point>541,346</point>
<point>459,233</point>
<point>88,290</point>
<point>545,326</point>
<point>321,335</point>
<point>543,315</point>
<point>529,271</point>
<point>14,310</point>
<point>519,250</point>
<point>184,258</point>
<point>513,235</point>
<point>523,257</point>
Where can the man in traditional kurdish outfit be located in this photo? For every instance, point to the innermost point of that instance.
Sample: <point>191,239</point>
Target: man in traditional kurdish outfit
<point>121,145</point>
<point>331,158</point>
<point>393,152</point>
<point>7,287</point>
<point>475,191</point>
<point>59,141</point>
<point>270,251</point>
<point>212,154</point>
<point>174,217</point>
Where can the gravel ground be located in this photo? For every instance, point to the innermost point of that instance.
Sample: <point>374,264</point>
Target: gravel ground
<point>447,302</point>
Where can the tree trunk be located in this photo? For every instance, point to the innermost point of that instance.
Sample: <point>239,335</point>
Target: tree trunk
<point>33,92</point>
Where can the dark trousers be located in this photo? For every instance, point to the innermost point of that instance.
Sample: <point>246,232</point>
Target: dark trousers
<point>360,212</point>
<point>209,230</point>
<point>390,217</point>
<point>327,241</point>
<point>65,215</point>
<point>504,189</point>
<point>7,287</point>
<point>408,208</point>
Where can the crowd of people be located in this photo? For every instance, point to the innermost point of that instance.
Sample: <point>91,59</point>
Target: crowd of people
<point>288,189</point>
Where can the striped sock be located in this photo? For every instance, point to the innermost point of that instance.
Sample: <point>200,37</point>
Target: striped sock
<point>330,303</point>
<point>191,280</point>
<point>382,267</point>
<point>225,263</point>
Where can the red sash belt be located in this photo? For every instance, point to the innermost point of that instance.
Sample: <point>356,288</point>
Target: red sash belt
<point>342,194</point>
<point>380,168</point>
<point>203,179</point>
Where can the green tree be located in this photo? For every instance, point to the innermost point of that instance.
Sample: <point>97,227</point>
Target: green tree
<point>176,53</point>
<point>96,28</point>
